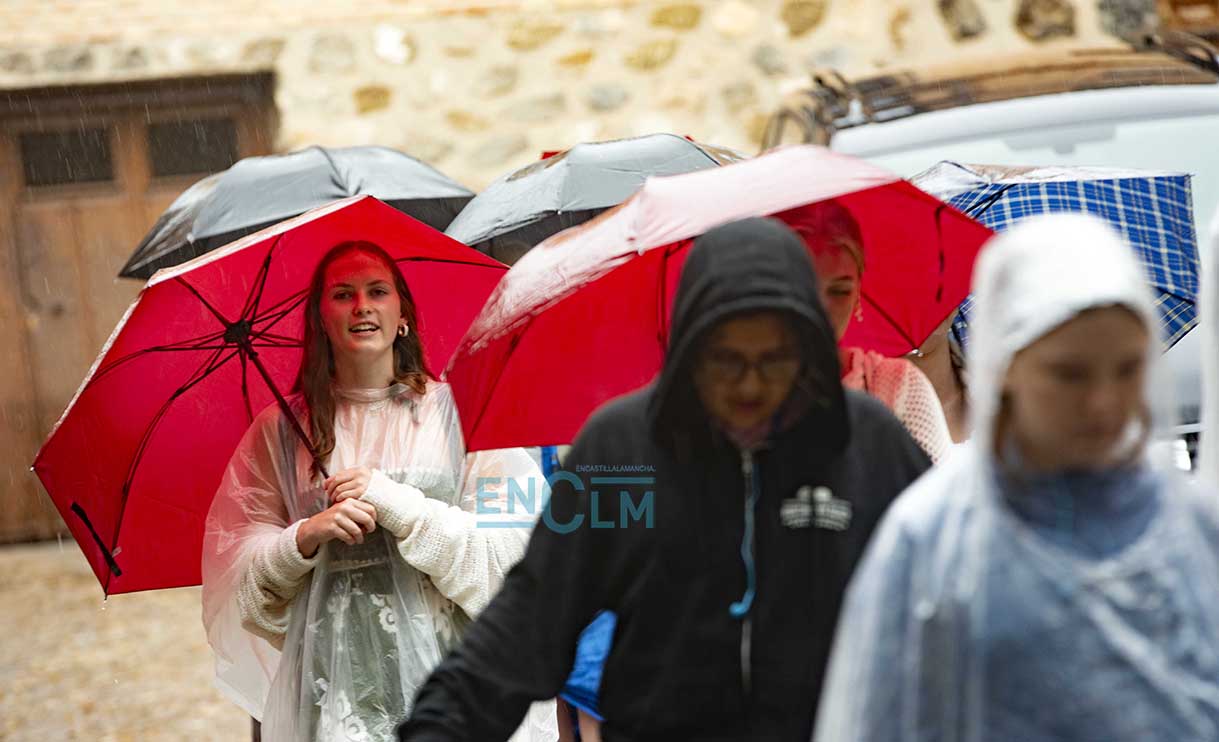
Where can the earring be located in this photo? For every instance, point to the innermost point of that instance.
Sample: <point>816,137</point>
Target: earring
<point>859,312</point>
<point>402,331</point>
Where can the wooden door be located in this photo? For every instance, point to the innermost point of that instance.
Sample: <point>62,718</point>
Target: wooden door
<point>83,174</point>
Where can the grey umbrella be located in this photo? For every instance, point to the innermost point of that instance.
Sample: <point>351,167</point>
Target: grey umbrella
<point>528,205</point>
<point>259,191</point>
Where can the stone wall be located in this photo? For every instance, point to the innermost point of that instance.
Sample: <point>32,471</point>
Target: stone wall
<point>479,88</point>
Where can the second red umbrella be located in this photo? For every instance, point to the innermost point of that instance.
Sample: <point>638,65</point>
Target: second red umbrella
<point>584,316</point>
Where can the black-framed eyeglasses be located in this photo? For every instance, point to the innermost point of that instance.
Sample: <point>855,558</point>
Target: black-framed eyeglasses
<point>728,366</point>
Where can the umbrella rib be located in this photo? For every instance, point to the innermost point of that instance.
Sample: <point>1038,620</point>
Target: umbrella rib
<point>199,375</point>
<point>888,318</point>
<point>274,336</point>
<point>224,321</point>
<point>476,264</point>
<point>334,167</point>
<point>245,390</point>
<point>292,298</point>
<point>111,562</point>
<point>189,349</point>
<point>982,207</point>
<point>273,317</point>
<point>260,282</point>
<point>201,343</point>
<point>276,341</point>
<point>662,318</point>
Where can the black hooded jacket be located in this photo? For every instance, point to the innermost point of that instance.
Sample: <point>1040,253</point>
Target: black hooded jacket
<point>682,666</point>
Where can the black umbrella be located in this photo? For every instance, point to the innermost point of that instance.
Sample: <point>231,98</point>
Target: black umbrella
<point>259,191</point>
<point>525,207</point>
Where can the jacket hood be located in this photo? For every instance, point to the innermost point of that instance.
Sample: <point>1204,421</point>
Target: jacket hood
<point>751,265</point>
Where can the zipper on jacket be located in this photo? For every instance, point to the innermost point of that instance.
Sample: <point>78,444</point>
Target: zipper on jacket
<point>749,555</point>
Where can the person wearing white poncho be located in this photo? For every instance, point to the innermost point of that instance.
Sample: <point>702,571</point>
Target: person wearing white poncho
<point>329,601</point>
<point>1048,581</point>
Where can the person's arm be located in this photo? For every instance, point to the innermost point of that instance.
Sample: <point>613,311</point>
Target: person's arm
<point>522,647</point>
<point>919,409</point>
<point>268,585</point>
<point>468,549</point>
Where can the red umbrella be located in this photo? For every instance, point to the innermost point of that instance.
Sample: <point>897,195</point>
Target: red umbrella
<point>584,316</point>
<point>135,460</point>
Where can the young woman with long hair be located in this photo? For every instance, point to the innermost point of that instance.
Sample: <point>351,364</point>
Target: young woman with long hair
<point>329,599</point>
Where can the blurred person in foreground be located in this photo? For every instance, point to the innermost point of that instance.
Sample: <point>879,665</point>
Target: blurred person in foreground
<point>1048,581</point>
<point>766,481</point>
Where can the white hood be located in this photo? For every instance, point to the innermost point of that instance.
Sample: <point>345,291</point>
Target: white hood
<point>1032,279</point>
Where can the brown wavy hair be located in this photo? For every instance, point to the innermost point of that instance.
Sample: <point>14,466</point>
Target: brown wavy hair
<point>315,378</point>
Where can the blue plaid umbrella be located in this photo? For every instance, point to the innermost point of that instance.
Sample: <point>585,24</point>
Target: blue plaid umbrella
<point>1152,210</point>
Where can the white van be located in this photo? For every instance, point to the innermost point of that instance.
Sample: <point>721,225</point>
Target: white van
<point>1154,106</point>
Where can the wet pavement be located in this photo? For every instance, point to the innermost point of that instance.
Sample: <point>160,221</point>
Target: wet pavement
<point>72,666</point>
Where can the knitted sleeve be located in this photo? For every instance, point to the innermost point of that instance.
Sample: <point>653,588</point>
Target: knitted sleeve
<point>466,549</point>
<point>909,394</point>
<point>275,575</point>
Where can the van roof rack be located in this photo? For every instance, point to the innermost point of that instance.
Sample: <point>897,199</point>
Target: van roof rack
<point>833,103</point>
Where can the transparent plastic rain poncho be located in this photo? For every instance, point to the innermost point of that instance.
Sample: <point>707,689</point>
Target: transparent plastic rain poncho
<point>334,648</point>
<point>1078,606</point>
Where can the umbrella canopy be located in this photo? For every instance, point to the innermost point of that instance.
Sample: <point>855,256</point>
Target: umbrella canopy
<point>1152,210</point>
<point>259,191</point>
<point>601,294</point>
<point>528,205</point>
<point>134,461</point>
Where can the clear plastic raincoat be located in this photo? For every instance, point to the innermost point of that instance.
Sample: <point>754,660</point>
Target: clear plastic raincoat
<point>995,605</point>
<point>334,647</point>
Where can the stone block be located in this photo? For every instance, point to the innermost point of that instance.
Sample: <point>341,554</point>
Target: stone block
<point>371,98</point>
<point>683,17</point>
<point>963,18</point>
<point>802,16</point>
<point>651,55</point>
<point>1042,20</point>
<point>529,35</point>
